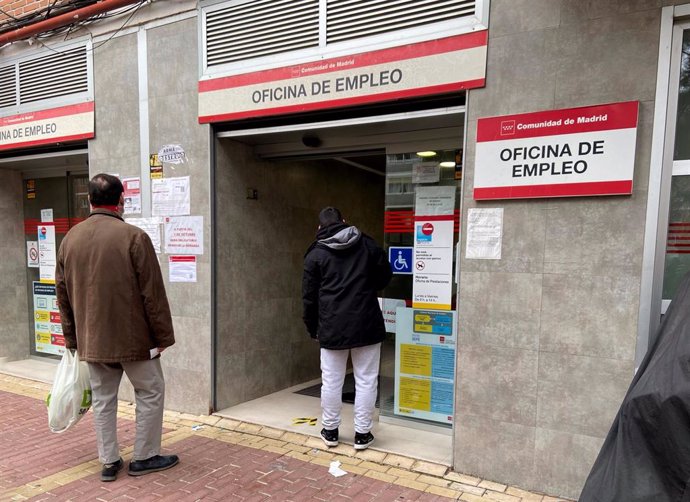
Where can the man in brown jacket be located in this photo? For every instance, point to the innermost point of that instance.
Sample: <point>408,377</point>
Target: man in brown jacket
<point>115,313</point>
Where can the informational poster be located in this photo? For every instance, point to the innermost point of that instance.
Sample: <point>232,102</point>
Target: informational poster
<point>32,254</point>
<point>484,233</point>
<point>47,215</point>
<point>184,235</point>
<point>425,344</point>
<point>46,253</point>
<point>47,323</point>
<point>182,268</point>
<point>557,153</point>
<point>132,195</point>
<point>152,226</point>
<point>426,172</point>
<point>170,196</point>
<point>432,284</point>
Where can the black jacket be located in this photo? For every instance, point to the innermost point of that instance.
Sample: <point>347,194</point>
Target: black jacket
<point>343,270</point>
<point>646,455</point>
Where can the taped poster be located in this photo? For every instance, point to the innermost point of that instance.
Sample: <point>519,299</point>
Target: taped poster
<point>484,233</point>
<point>170,196</point>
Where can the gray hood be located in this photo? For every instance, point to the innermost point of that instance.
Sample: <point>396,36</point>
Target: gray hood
<point>344,239</point>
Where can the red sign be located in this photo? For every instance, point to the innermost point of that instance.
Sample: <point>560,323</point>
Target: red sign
<point>557,153</point>
<point>427,229</point>
<point>55,317</point>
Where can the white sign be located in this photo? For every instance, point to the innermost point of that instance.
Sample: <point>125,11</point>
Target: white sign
<point>182,268</point>
<point>388,309</point>
<point>170,196</point>
<point>32,254</point>
<point>432,284</point>
<point>435,201</point>
<point>41,127</point>
<point>152,226</point>
<point>557,153</point>
<point>184,235</point>
<point>382,75</point>
<point>172,154</point>
<point>484,233</point>
<point>46,215</point>
<point>46,253</point>
<point>132,195</point>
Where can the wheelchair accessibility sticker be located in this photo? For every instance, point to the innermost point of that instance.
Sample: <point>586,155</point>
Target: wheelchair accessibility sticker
<point>400,259</point>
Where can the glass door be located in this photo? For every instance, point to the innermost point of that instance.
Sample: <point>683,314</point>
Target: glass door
<point>52,205</point>
<point>677,253</point>
<point>421,225</point>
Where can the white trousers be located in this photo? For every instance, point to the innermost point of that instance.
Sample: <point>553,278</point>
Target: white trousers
<point>365,365</point>
<point>149,389</point>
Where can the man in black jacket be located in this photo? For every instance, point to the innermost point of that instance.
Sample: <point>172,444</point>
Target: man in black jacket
<point>343,270</point>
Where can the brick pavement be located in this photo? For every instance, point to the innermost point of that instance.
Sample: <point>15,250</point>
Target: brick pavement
<point>224,460</point>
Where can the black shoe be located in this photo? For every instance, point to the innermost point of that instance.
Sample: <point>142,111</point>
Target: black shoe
<point>330,437</point>
<point>363,440</point>
<point>109,471</point>
<point>153,464</point>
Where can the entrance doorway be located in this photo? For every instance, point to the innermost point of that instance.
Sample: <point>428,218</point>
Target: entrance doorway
<point>54,199</point>
<point>270,186</point>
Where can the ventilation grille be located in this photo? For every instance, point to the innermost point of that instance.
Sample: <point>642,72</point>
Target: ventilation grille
<point>8,86</point>
<point>54,75</point>
<point>351,19</point>
<point>260,28</point>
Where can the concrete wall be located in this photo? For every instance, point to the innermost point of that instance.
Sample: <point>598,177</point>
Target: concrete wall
<point>172,118</point>
<point>14,329</point>
<point>548,333</point>
<point>262,345</point>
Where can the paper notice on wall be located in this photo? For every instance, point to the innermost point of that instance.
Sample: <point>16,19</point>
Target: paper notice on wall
<point>46,215</point>
<point>152,226</point>
<point>184,235</point>
<point>426,172</point>
<point>182,268</point>
<point>435,201</point>
<point>170,196</point>
<point>484,233</point>
<point>132,195</point>
<point>46,253</point>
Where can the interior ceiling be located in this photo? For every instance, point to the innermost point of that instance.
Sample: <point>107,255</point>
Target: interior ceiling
<point>361,145</point>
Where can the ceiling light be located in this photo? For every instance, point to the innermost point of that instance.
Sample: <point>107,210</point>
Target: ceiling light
<point>427,153</point>
<point>447,163</point>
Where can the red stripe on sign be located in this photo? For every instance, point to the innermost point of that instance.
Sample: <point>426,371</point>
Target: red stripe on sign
<point>182,258</point>
<point>443,45</point>
<point>48,114</point>
<point>335,103</point>
<point>546,123</point>
<point>623,187</point>
<point>61,139</point>
<point>402,222</point>
<point>62,225</point>
<point>434,217</point>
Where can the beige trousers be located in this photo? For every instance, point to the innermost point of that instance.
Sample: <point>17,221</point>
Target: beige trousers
<point>149,388</point>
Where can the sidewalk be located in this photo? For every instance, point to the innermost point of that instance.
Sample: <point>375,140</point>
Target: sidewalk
<point>220,460</point>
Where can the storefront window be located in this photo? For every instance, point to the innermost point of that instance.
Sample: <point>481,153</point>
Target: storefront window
<point>678,244</point>
<point>682,145</point>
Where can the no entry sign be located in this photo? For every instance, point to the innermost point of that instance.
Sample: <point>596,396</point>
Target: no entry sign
<point>557,153</point>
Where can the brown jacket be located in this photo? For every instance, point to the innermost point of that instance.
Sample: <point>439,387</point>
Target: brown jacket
<point>110,291</point>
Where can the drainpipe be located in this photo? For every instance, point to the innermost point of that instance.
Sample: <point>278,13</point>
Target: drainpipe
<point>63,20</point>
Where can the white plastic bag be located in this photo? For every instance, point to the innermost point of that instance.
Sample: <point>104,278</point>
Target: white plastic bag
<point>70,397</point>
